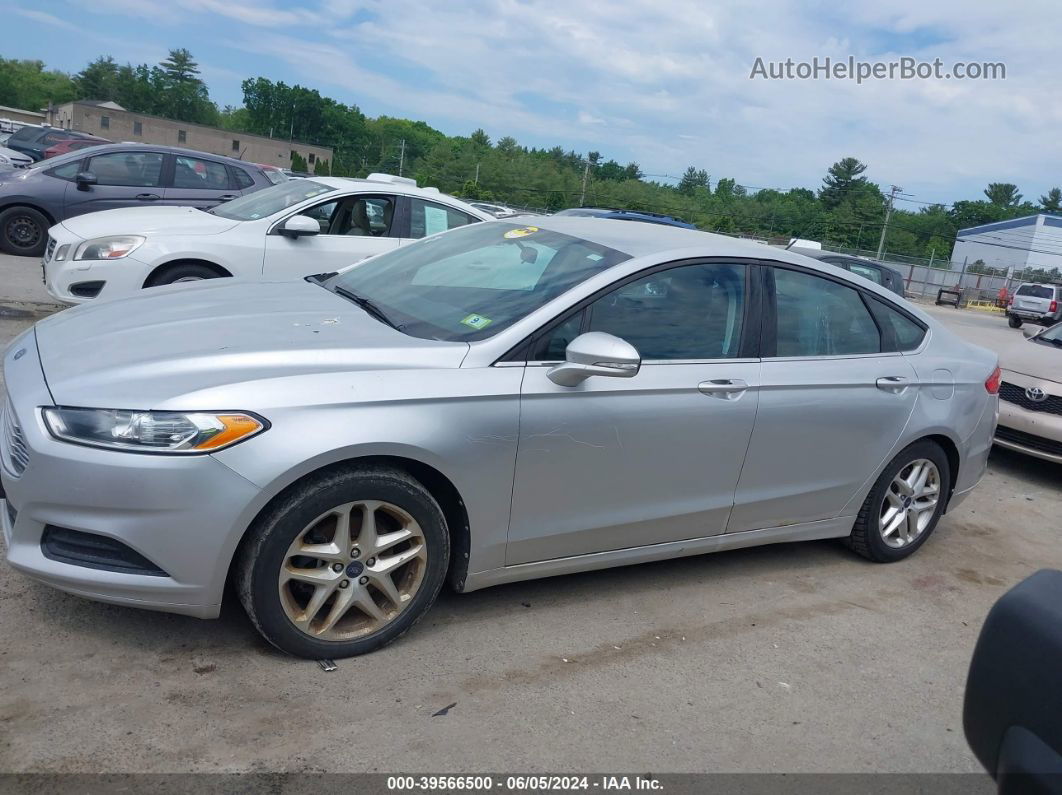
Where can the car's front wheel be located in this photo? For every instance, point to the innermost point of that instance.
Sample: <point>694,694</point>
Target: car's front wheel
<point>904,506</point>
<point>1014,321</point>
<point>345,563</point>
<point>23,231</point>
<point>182,272</point>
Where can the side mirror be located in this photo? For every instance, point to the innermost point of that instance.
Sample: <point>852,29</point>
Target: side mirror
<point>299,225</point>
<point>1029,332</point>
<point>596,353</point>
<point>85,180</point>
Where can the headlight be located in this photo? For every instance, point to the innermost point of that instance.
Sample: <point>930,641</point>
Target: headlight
<point>152,431</point>
<point>114,247</point>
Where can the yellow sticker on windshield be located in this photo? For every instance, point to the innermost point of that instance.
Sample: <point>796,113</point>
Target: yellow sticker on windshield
<point>477,321</point>
<point>524,232</point>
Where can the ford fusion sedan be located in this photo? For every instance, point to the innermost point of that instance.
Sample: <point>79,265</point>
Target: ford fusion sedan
<point>110,176</point>
<point>290,230</point>
<point>1030,396</point>
<point>498,403</point>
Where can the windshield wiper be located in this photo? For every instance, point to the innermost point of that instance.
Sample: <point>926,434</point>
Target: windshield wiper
<point>367,305</point>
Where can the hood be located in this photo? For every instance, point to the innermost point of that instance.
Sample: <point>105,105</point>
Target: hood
<point>1033,359</point>
<point>151,351</point>
<point>148,221</point>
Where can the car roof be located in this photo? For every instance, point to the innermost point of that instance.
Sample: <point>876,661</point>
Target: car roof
<point>819,253</point>
<point>109,147</point>
<point>630,215</point>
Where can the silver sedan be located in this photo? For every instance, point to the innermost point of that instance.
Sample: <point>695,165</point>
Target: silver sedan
<point>497,403</point>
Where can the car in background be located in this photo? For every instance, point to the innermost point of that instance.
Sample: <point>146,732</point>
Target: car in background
<point>34,141</point>
<point>496,403</point>
<point>1030,395</point>
<point>111,176</point>
<point>10,159</point>
<point>497,210</point>
<point>275,174</point>
<point>626,215</point>
<point>73,144</point>
<point>1035,303</point>
<point>877,272</point>
<point>297,228</point>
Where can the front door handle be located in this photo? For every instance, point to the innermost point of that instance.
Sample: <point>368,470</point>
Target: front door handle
<point>892,383</point>
<point>723,388</point>
<point>227,197</point>
<point>148,197</point>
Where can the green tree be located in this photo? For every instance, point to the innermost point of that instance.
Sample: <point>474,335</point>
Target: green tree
<point>298,162</point>
<point>1003,194</point>
<point>1052,202</point>
<point>480,138</point>
<point>98,80</point>
<point>28,85</point>
<point>692,179</point>
<point>842,177</point>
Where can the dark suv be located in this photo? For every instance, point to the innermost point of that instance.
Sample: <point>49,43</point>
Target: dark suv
<point>877,272</point>
<point>627,215</point>
<point>111,176</point>
<point>33,141</point>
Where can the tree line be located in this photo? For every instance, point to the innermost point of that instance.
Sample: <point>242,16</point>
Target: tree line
<point>848,210</point>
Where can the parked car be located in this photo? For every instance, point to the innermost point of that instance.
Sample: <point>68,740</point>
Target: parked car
<point>293,229</point>
<point>493,404</point>
<point>1035,303</point>
<point>626,215</point>
<point>877,272</point>
<point>275,174</point>
<point>1030,408</point>
<point>10,159</point>
<point>33,140</point>
<point>73,144</point>
<point>114,175</point>
<point>497,210</point>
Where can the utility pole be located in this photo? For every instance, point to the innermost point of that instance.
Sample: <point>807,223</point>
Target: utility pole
<point>402,158</point>
<point>477,174</point>
<point>885,226</point>
<point>586,173</point>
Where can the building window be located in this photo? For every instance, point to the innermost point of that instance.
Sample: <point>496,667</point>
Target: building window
<point>182,137</point>
<point>138,128</point>
<point>105,122</point>
<point>311,158</point>
<point>235,144</point>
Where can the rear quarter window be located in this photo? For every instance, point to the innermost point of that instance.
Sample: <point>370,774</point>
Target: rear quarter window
<point>899,332</point>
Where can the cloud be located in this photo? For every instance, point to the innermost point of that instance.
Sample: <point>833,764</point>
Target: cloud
<point>45,18</point>
<point>667,84</point>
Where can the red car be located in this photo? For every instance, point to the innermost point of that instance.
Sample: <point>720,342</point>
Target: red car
<point>71,144</point>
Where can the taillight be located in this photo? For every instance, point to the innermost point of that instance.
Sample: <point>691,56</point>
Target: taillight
<point>1054,307</point>
<point>992,382</point>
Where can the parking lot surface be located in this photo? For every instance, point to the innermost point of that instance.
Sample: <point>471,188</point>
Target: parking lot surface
<point>799,657</point>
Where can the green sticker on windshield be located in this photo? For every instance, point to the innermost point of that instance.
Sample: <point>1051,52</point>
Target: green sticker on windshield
<point>477,321</point>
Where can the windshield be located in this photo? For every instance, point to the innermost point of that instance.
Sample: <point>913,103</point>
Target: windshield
<point>269,201</point>
<point>472,282</point>
<point>1052,335</point>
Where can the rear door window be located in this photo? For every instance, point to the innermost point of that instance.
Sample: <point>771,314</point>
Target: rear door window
<point>866,271</point>
<point>820,317</point>
<point>192,172</point>
<point>428,218</point>
<point>134,169</point>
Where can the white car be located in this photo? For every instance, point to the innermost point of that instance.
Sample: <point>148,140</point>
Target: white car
<point>10,159</point>
<point>294,229</point>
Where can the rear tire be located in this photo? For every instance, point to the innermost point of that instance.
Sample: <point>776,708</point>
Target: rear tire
<point>895,520</point>
<point>182,272</point>
<point>357,597</point>
<point>23,231</point>
<point>1014,322</point>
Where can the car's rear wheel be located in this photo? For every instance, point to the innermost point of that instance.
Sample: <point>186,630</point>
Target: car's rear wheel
<point>23,231</point>
<point>904,506</point>
<point>344,564</point>
<point>182,272</point>
<point>1014,322</point>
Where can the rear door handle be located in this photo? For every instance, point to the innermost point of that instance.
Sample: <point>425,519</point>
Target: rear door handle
<point>148,197</point>
<point>892,383</point>
<point>723,388</point>
<point>227,197</point>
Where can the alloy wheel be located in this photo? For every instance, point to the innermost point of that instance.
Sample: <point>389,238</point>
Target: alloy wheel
<point>910,503</point>
<point>352,570</point>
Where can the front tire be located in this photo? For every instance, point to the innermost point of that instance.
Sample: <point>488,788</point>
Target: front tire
<point>344,564</point>
<point>23,231</point>
<point>1013,322</point>
<point>904,506</point>
<point>182,272</point>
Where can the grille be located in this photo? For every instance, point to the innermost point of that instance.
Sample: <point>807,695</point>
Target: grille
<point>17,452</point>
<point>50,250</point>
<point>1016,395</point>
<point>1032,441</point>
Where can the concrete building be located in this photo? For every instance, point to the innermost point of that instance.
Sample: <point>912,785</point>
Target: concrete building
<point>1034,241</point>
<point>110,120</point>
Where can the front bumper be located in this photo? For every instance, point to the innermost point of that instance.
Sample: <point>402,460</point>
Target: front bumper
<point>76,281</point>
<point>185,514</point>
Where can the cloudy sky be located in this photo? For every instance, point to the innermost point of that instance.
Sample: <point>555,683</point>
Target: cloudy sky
<point>665,83</point>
